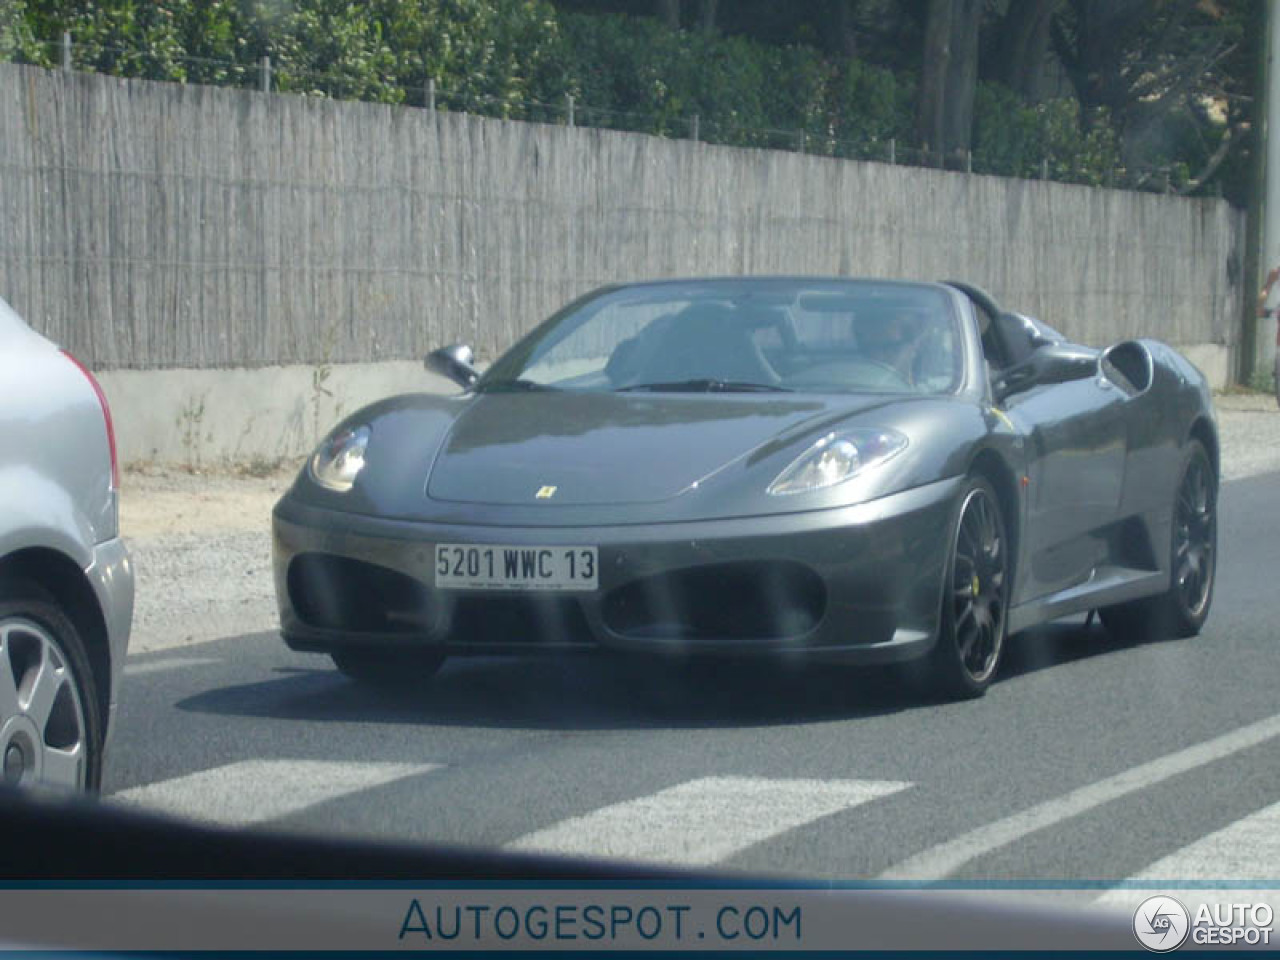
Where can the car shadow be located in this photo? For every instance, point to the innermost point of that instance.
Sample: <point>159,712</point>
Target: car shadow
<point>1054,644</point>
<point>608,692</point>
<point>572,693</point>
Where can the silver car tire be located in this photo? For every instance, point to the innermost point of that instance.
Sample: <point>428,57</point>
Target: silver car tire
<point>50,718</point>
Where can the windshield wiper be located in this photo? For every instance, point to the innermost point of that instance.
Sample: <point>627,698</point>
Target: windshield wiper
<point>511,386</point>
<point>704,385</point>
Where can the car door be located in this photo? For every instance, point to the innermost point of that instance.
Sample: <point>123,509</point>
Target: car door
<point>1076,454</point>
<point>1075,449</point>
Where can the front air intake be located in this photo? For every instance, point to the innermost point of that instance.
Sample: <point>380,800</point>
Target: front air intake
<point>339,593</point>
<point>731,601</point>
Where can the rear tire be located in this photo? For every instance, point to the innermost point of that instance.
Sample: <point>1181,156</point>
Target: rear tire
<point>1182,609</point>
<point>51,724</point>
<point>392,668</point>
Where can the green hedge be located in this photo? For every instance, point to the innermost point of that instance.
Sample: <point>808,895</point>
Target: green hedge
<point>523,58</point>
<point>1013,139</point>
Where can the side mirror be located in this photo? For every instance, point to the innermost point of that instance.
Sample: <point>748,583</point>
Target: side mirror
<point>457,362</point>
<point>1052,363</point>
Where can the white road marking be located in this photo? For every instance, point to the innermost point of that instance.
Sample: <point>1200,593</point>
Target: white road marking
<point>253,791</point>
<point>702,821</point>
<point>167,663</point>
<point>946,858</point>
<point>1245,852</point>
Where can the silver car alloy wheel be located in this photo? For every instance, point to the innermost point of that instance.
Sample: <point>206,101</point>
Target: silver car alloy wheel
<point>42,721</point>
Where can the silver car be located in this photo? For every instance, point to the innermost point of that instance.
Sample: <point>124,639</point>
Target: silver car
<point>66,582</point>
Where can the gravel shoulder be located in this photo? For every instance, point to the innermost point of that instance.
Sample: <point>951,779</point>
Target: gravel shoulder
<point>1249,430</point>
<point>202,547</point>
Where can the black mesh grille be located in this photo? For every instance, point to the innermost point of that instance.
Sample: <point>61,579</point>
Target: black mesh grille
<point>499,618</point>
<point>727,601</point>
<point>338,593</point>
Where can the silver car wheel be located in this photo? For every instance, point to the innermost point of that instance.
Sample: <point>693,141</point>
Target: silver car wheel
<point>43,743</point>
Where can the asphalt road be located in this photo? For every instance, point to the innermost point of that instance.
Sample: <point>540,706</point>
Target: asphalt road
<point>1089,759</point>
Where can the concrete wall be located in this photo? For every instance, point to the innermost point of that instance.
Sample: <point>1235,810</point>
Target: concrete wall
<point>160,226</point>
<point>209,418</point>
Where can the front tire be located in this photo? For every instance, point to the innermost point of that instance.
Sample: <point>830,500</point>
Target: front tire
<point>51,724</point>
<point>1182,609</point>
<point>971,633</point>
<point>389,668</point>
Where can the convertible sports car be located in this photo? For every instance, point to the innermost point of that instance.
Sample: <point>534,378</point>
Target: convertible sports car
<point>862,470</point>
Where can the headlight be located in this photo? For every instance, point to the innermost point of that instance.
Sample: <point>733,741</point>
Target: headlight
<point>339,459</point>
<point>836,458</point>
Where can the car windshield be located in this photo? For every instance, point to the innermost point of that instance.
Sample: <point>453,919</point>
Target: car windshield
<point>744,335</point>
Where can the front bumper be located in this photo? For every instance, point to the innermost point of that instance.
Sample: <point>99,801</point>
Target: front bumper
<point>860,584</point>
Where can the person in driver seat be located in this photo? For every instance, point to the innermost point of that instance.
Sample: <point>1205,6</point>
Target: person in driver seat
<point>891,338</point>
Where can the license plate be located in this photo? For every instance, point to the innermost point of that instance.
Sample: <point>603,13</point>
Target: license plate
<point>492,567</point>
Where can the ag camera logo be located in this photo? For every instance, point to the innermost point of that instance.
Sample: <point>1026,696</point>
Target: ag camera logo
<point>1161,924</point>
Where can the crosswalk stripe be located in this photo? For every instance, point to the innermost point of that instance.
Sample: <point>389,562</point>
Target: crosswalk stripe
<point>253,791</point>
<point>946,858</point>
<point>1246,851</point>
<point>167,663</point>
<point>705,821</point>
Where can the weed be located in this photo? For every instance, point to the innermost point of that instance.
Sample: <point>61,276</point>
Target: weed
<point>320,375</point>
<point>1264,381</point>
<point>189,422</point>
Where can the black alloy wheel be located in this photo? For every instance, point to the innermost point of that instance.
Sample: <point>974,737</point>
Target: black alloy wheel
<point>972,628</point>
<point>1193,563</point>
<point>1195,543</point>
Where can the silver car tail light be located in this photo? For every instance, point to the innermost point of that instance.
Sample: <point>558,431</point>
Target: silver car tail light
<point>106,416</point>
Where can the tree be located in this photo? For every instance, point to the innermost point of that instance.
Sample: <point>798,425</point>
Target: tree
<point>1022,46</point>
<point>123,37</point>
<point>707,15</point>
<point>1173,76</point>
<point>669,12</point>
<point>16,39</point>
<point>846,31</point>
<point>948,77</point>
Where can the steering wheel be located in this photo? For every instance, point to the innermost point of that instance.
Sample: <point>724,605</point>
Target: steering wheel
<point>902,379</point>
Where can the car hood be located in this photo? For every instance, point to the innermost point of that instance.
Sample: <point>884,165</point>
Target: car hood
<point>595,449</point>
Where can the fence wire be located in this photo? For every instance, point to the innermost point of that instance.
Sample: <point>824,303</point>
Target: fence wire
<point>264,76</point>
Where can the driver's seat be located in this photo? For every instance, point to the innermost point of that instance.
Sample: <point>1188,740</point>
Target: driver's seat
<point>707,340</point>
